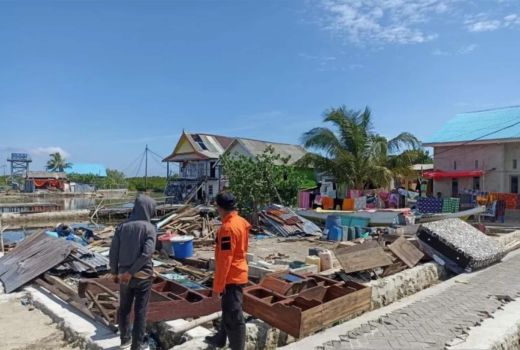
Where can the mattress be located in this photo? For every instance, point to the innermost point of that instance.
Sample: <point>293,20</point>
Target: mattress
<point>459,245</point>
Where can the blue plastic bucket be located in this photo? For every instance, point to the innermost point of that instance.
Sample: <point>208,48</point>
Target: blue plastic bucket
<point>182,246</point>
<point>333,226</point>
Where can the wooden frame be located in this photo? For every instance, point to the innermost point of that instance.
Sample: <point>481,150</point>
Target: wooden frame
<point>322,302</point>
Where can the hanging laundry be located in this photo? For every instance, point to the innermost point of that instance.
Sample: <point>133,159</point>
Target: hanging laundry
<point>304,200</point>
<point>342,191</point>
<point>328,202</point>
<point>348,204</point>
<point>354,193</point>
<point>360,203</point>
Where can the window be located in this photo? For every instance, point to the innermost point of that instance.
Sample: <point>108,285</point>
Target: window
<point>454,187</point>
<point>212,169</point>
<point>514,164</point>
<point>210,191</point>
<point>476,183</point>
<point>476,164</point>
<point>514,184</point>
<point>454,165</point>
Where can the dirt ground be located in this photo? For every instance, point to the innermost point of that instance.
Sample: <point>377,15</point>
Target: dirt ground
<point>25,329</point>
<point>295,249</point>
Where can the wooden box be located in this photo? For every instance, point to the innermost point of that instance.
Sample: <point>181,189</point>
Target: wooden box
<point>321,303</point>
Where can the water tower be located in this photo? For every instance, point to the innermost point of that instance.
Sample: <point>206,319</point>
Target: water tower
<point>19,166</point>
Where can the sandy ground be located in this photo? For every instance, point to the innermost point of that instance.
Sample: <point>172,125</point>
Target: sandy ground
<point>262,248</point>
<point>25,329</point>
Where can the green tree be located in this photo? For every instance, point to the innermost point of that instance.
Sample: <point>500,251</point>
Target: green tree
<point>264,179</point>
<point>154,183</point>
<point>57,163</point>
<point>353,153</point>
<point>114,179</point>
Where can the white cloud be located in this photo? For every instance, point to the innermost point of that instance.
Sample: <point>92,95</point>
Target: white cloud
<point>467,49</point>
<point>383,21</point>
<point>483,26</point>
<point>380,22</point>
<point>482,23</point>
<point>463,50</point>
<point>45,151</point>
<point>512,20</point>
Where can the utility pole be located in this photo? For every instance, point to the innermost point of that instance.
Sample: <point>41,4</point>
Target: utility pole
<point>146,169</point>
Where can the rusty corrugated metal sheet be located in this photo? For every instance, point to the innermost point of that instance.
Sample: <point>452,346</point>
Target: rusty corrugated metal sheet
<point>34,256</point>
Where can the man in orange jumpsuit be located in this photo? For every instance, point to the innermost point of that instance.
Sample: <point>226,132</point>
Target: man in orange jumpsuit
<point>231,273</point>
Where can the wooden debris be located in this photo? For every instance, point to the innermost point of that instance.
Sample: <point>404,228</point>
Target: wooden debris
<point>366,256</point>
<point>317,302</point>
<point>406,251</point>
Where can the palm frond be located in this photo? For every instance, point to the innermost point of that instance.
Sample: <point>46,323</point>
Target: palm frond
<point>403,140</point>
<point>322,139</point>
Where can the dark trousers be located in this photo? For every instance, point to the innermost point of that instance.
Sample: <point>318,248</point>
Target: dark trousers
<point>136,292</point>
<point>233,326</point>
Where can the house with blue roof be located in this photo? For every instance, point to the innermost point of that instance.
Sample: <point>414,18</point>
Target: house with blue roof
<point>87,169</point>
<point>477,150</point>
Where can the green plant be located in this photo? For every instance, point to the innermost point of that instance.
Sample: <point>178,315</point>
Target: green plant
<point>114,179</point>
<point>154,183</point>
<point>264,179</point>
<point>57,163</point>
<point>353,154</point>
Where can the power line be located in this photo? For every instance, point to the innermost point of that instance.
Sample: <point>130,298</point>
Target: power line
<point>154,153</point>
<point>140,164</point>
<point>132,164</point>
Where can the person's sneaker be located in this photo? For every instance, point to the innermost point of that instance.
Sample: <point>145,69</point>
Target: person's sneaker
<point>216,341</point>
<point>125,345</point>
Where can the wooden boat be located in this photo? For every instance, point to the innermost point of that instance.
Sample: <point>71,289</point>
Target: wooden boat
<point>383,217</point>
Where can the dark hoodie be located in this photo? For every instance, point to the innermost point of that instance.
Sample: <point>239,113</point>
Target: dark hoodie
<point>134,240</point>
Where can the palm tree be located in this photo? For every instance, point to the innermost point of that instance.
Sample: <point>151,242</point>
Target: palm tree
<point>57,162</point>
<point>353,153</point>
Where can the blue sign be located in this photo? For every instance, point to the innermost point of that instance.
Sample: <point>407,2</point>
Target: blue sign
<point>19,156</point>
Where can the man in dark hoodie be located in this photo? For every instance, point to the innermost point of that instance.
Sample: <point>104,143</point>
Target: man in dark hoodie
<point>131,266</point>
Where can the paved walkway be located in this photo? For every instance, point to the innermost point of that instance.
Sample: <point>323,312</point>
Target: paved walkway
<point>438,320</point>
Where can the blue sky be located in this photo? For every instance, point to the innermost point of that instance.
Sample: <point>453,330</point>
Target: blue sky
<point>98,80</point>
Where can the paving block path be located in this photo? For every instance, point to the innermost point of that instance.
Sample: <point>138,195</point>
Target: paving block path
<point>436,321</point>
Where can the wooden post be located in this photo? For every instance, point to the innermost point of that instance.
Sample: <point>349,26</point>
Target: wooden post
<point>2,229</point>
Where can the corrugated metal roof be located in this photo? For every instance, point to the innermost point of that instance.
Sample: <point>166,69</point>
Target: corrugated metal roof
<point>257,147</point>
<point>32,257</point>
<point>419,167</point>
<point>87,169</point>
<point>46,175</point>
<point>477,125</point>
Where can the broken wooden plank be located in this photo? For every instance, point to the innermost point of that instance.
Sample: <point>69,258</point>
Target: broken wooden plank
<point>366,256</point>
<point>406,251</point>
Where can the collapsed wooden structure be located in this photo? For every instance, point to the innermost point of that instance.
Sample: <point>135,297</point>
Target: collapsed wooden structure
<point>301,305</point>
<point>169,300</point>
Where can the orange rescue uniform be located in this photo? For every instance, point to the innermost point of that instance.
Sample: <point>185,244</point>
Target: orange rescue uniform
<point>230,252</point>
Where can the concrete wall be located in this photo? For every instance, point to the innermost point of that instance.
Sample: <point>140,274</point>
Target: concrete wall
<point>512,152</point>
<point>489,156</point>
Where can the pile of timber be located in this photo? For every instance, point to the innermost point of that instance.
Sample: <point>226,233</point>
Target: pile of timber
<point>284,222</point>
<point>194,221</point>
<point>381,257</point>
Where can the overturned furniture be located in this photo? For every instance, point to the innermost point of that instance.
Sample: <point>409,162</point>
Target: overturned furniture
<point>459,245</point>
<point>301,305</point>
<point>168,300</point>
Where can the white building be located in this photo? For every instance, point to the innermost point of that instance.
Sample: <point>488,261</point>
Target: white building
<point>479,151</point>
<point>199,169</point>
